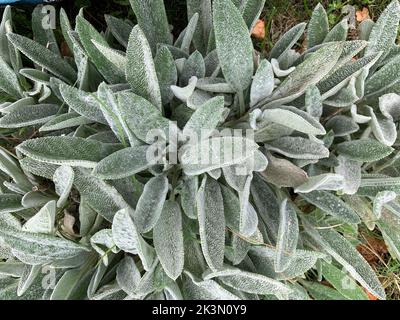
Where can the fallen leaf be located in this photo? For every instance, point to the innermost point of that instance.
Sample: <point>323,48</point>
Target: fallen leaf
<point>362,15</point>
<point>259,30</point>
<point>373,249</point>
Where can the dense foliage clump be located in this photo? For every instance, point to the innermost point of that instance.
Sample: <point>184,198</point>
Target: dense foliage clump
<point>197,167</point>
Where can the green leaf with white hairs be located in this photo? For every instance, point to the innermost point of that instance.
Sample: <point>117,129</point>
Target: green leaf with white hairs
<point>44,220</point>
<point>288,235</point>
<point>119,28</point>
<point>67,150</point>
<point>350,170</point>
<point>117,59</point>
<point>287,41</point>
<point>263,83</point>
<point>380,200</point>
<point>43,33</point>
<point>234,46</point>
<point>9,81</point>
<point>365,150</point>
<point>210,210</point>
<point>338,32</point>
<point>29,115</point>
<point>167,73</point>
<point>326,181</point>
<point>63,180</point>
<point>63,121</point>
<point>140,71</point>
<point>298,148</point>
<point>251,11</point>
<point>43,57</point>
<point>384,129</point>
<point>168,239</point>
<point>128,239</point>
<point>10,203</point>
<point>384,33</point>
<point>332,205</point>
<point>150,204</point>
<point>87,34</point>
<point>318,26</point>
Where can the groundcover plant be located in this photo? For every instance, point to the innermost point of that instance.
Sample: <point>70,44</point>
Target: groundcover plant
<point>197,167</point>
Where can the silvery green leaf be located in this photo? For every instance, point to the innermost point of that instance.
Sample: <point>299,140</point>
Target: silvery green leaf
<point>313,69</point>
<point>67,150</point>
<point>193,67</point>
<point>287,41</point>
<point>189,33</point>
<point>318,26</point>
<point>350,170</point>
<point>280,73</point>
<point>43,221</point>
<point>63,121</point>
<point>384,32</point>
<point>13,269</point>
<point>288,235</point>
<point>29,115</point>
<point>214,153</point>
<point>254,283</point>
<point>36,75</point>
<point>35,199</point>
<point>128,239</point>
<point>185,93</point>
<point>9,166</point>
<point>298,148</point>
<point>345,253</point>
<point>339,32</point>
<point>143,118</point>
<point>155,279</point>
<point>267,131</point>
<point>42,34</point>
<point>383,79</point>
<point>205,119</point>
<point>342,125</point>
<point>380,200</point>
<point>10,203</point>
<point>100,196</point>
<point>120,29</point>
<point>211,62</point>
<point>65,25</point>
<point>166,73</point>
<point>87,33</point>
<point>63,180</point>
<point>264,259</point>
<point>266,204</point>
<point>117,59</point>
<point>365,150</point>
<point>4,47</point>
<point>389,226</point>
<point>205,289</point>
<point>152,19</point>
<point>140,71</point>
<point>210,209</point>
<point>322,292</point>
<point>332,205</point>
<point>41,245</point>
<point>168,239</point>
<point>283,173</point>
<point>87,218</point>
<point>339,77</point>
<point>150,204</point>
<point>28,277</point>
<point>123,163</point>
<point>204,25</point>
<point>17,105</point>
<point>313,102</point>
<point>83,103</point>
<point>359,118</point>
<point>365,29</point>
<point>295,119</point>
<point>9,81</point>
<point>38,168</point>
<point>372,186</point>
<point>103,243</point>
<point>388,105</point>
<point>69,287</point>
<point>326,181</point>
<point>384,129</point>
<point>128,275</point>
<point>342,282</point>
<point>234,46</point>
<point>263,83</point>
<point>198,98</point>
<point>43,57</point>
<point>216,85</point>
<point>188,194</point>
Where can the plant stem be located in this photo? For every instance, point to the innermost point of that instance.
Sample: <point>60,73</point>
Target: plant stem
<point>242,106</point>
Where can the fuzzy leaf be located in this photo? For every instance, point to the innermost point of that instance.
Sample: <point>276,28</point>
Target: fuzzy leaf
<point>234,46</point>
<point>63,180</point>
<point>298,148</point>
<point>365,150</point>
<point>263,83</point>
<point>318,27</point>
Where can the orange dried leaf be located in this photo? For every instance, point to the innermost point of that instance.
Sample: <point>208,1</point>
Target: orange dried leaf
<point>259,30</point>
<point>370,295</point>
<point>362,15</point>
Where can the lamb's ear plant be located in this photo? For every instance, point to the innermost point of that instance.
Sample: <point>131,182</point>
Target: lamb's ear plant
<point>112,198</point>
